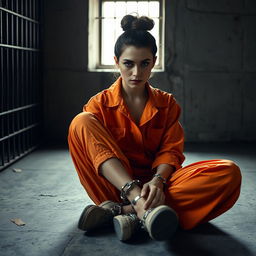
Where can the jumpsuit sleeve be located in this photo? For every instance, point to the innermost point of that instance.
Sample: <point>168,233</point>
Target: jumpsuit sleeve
<point>94,106</point>
<point>172,144</point>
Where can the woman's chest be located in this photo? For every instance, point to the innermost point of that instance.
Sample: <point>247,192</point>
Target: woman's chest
<point>130,136</point>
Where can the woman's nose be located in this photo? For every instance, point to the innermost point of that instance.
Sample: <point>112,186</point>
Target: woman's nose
<point>136,70</point>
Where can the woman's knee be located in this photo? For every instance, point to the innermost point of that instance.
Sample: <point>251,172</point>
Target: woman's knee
<point>234,173</point>
<point>84,119</point>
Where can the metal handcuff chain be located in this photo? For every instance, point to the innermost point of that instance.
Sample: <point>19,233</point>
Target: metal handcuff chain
<point>127,188</point>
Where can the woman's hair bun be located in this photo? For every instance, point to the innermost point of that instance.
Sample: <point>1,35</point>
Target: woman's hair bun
<point>130,22</point>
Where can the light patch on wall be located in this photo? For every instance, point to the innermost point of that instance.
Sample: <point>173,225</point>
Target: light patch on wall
<point>113,12</point>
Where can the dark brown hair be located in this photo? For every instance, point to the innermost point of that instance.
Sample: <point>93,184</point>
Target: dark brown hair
<point>136,34</point>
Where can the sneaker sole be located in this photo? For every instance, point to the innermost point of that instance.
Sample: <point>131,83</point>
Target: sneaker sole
<point>91,218</point>
<point>122,228</point>
<point>162,223</point>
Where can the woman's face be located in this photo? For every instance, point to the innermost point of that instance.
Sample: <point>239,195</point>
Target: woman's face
<point>135,65</point>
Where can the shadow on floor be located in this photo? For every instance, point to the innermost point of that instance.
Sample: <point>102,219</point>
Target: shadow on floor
<point>205,240</point>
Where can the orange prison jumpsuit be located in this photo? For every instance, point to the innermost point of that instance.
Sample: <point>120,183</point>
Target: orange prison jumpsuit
<point>105,129</point>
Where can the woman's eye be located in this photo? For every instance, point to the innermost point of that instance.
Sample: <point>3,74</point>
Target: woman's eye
<point>145,64</point>
<point>128,64</point>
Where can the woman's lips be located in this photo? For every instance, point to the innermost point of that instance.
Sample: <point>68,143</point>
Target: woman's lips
<point>135,81</point>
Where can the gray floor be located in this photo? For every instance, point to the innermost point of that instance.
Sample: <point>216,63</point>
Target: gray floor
<point>48,197</point>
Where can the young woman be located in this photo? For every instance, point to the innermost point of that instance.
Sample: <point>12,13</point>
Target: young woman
<point>127,147</point>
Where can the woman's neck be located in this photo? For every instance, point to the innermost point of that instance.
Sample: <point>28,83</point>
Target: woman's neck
<point>132,94</point>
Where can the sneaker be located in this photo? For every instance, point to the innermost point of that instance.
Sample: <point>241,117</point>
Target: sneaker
<point>161,222</point>
<point>94,216</point>
<point>125,225</point>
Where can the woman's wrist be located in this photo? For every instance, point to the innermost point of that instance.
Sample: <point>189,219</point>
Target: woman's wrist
<point>157,182</point>
<point>136,191</point>
<point>159,177</point>
<point>163,172</point>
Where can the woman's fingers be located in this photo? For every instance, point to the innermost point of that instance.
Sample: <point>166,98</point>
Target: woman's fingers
<point>157,200</point>
<point>151,196</point>
<point>162,200</point>
<point>144,190</point>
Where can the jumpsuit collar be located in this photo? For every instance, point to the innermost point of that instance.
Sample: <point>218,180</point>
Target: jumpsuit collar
<point>114,98</point>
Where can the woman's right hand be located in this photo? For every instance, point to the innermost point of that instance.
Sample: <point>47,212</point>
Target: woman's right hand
<point>153,193</point>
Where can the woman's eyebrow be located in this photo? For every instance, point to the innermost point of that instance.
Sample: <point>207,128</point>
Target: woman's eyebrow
<point>133,61</point>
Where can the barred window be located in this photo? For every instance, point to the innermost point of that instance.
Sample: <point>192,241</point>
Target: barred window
<point>104,28</point>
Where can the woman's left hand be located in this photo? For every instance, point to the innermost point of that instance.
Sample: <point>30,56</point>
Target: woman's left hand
<point>152,191</point>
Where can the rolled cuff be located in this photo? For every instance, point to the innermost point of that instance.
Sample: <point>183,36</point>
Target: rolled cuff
<point>101,158</point>
<point>167,158</point>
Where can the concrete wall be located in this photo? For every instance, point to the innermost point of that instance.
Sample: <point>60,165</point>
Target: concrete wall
<point>210,66</point>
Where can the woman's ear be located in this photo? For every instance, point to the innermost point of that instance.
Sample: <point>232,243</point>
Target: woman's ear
<point>116,61</point>
<point>154,60</point>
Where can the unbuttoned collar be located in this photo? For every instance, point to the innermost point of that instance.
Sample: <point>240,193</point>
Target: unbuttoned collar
<point>114,96</point>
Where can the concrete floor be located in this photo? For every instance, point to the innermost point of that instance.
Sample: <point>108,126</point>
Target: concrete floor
<point>48,197</point>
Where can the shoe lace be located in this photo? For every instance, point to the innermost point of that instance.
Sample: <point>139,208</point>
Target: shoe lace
<point>116,209</point>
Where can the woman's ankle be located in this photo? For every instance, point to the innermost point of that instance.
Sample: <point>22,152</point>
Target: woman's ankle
<point>139,208</point>
<point>128,209</point>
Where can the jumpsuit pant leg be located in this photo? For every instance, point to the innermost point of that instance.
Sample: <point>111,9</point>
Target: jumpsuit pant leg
<point>198,192</point>
<point>90,144</point>
<point>202,191</point>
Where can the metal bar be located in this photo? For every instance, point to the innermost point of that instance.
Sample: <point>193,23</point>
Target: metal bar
<point>30,35</point>
<point>19,79</point>
<point>19,47</point>
<point>33,77</point>
<point>15,6</point>
<point>18,31</point>
<point>22,125</point>
<point>11,74</point>
<point>18,109</point>
<point>12,86</point>
<point>7,102</point>
<point>11,27</point>
<point>18,157</point>
<point>19,132</point>
<point>19,15</point>
<point>2,104</point>
<point>4,16</point>
<point>22,103</point>
<point>30,9</point>
<point>37,10</point>
<point>25,8</point>
<point>26,34</point>
<point>33,10</point>
<point>18,136</point>
<point>19,60</point>
<point>25,87</point>
<point>7,32</point>
<point>30,85</point>
<point>21,7</point>
<point>26,136</point>
<point>34,37</point>
<point>1,27</point>
<point>2,79</point>
<point>14,89</point>
<point>2,153</point>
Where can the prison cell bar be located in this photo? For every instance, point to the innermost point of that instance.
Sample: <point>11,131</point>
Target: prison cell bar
<point>19,58</point>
